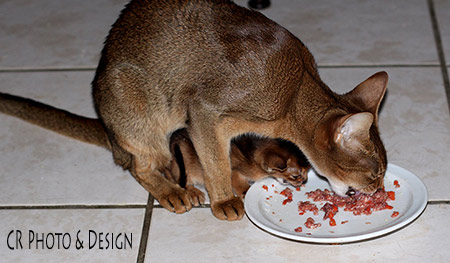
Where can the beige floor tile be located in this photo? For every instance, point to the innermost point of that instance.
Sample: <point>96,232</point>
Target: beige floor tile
<point>54,34</point>
<point>198,237</point>
<point>107,235</point>
<point>51,34</point>
<point>356,32</point>
<point>41,167</point>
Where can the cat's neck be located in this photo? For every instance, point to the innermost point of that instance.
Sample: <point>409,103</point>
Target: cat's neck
<point>314,104</point>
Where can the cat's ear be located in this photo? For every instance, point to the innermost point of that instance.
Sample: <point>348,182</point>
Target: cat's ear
<point>369,93</point>
<point>274,162</point>
<point>353,130</point>
<point>293,167</point>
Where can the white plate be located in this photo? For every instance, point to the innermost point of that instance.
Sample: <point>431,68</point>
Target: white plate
<point>270,215</point>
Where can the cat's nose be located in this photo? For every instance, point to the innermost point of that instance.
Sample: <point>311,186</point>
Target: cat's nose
<point>300,178</point>
<point>295,177</point>
<point>350,192</point>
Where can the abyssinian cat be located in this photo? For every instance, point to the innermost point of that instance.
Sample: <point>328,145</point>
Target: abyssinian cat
<point>220,71</point>
<point>252,158</point>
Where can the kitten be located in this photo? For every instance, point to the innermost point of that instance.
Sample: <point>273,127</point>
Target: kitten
<point>252,158</point>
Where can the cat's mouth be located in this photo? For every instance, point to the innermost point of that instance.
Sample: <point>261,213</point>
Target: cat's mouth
<point>294,183</point>
<point>368,190</point>
<point>344,189</point>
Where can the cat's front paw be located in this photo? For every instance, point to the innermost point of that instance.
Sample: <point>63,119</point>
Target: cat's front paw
<point>175,199</point>
<point>231,209</point>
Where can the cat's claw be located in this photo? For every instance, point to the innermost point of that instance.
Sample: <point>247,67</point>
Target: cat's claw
<point>197,197</point>
<point>176,201</point>
<point>231,209</point>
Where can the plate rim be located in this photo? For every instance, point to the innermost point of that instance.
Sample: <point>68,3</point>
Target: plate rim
<point>421,202</point>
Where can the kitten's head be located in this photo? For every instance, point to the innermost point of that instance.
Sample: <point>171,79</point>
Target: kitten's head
<point>286,167</point>
<point>349,151</point>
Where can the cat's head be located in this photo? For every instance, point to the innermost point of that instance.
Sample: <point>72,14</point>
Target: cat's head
<point>286,167</point>
<point>349,151</point>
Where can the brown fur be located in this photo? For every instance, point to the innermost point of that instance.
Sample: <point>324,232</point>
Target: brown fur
<point>66,123</point>
<point>221,70</point>
<point>252,158</point>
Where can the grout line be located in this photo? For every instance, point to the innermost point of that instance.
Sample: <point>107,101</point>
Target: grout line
<point>137,206</point>
<point>430,202</point>
<point>440,50</point>
<point>193,207</point>
<point>32,207</point>
<point>145,229</point>
<point>439,202</point>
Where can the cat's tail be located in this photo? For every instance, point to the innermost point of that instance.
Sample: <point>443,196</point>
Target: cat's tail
<point>63,122</point>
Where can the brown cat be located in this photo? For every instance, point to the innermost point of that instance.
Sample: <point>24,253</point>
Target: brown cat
<point>252,158</point>
<point>220,71</point>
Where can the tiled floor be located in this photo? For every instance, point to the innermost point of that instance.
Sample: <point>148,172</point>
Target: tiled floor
<point>52,184</point>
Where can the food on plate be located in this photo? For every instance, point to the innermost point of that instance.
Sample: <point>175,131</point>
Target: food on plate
<point>311,224</point>
<point>358,203</point>
<point>395,214</point>
<point>391,195</point>
<point>330,210</point>
<point>305,206</point>
<point>298,229</point>
<point>287,192</point>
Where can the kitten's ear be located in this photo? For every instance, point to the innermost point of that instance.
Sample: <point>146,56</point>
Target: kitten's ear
<point>369,93</point>
<point>352,130</point>
<point>293,167</point>
<point>274,162</point>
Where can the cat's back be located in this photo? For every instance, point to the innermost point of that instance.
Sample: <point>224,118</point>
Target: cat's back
<point>210,35</point>
<point>212,52</point>
<point>153,27</point>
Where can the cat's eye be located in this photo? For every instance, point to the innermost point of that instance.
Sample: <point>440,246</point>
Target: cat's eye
<point>282,167</point>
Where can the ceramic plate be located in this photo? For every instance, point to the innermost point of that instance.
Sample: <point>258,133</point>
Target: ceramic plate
<point>266,210</point>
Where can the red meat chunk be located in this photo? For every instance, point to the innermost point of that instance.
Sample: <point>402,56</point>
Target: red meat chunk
<point>306,206</point>
<point>287,192</point>
<point>311,224</point>
<point>358,204</point>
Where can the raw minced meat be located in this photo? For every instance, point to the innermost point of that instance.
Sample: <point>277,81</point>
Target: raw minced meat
<point>287,192</point>
<point>311,224</point>
<point>358,204</point>
<point>298,229</point>
<point>395,214</point>
<point>330,210</point>
<point>305,206</point>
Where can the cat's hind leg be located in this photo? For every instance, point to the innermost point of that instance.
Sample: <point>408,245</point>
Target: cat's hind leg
<point>171,196</point>
<point>186,168</point>
<point>139,121</point>
<point>149,166</point>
